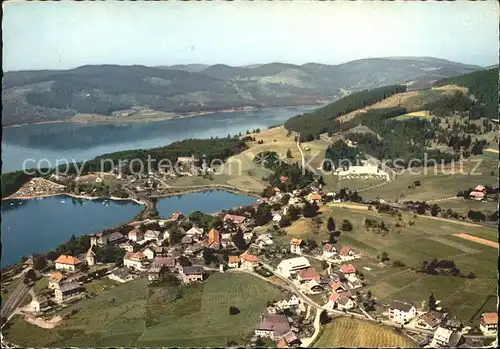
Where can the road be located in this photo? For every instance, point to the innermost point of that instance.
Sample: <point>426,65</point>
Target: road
<point>301,152</point>
<point>319,308</point>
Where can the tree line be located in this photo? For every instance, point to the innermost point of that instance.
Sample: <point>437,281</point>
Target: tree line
<point>309,125</point>
<point>483,85</point>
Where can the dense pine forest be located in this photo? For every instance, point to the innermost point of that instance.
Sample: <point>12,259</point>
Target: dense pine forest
<point>310,125</point>
<point>483,85</point>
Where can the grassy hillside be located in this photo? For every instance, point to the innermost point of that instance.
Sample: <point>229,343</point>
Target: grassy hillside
<point>483,85</point>
<point>137,315</point>
<point>344,332</point>
<point>48,95</point>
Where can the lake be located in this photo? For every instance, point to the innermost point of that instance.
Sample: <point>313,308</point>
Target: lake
<point>39,225</point>
<point>81,142</point>
<point>206,202</point>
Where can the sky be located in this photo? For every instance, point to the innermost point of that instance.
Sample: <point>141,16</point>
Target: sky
<point>64,35</point>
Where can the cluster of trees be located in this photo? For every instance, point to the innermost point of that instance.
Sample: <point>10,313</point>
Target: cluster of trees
<point>442,267</point>
<point>341,156</point>
<point>376,226</point>
<point>309,125</point>
<point>74,247</point>
<point>446,105</point>
<point>204,221</point>
<point>483,85</point>
<point>345,194</point>
<point>201,149</point>
<point>109,254</point>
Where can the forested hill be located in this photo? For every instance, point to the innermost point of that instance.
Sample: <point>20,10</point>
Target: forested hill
<point>323,120</point>
<point>483,85</point>
<point>49,95</point>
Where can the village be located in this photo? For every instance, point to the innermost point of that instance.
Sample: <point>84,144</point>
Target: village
<point>320,279</point>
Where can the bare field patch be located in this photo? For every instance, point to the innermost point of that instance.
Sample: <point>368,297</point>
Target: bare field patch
<point>299,227</point>
<point>453,244</point>
<point>478,240</point>
<point>345,332</point>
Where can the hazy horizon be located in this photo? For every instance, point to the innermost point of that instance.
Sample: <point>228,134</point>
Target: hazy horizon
<point>72,34</point>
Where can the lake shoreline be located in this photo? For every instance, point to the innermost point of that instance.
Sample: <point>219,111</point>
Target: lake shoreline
<point>183,191</point>
<point>71,195</point>
<point>151,120</point>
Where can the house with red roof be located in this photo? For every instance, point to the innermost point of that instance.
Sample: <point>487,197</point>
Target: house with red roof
<point>477,195</point>
<point>348,270</point>
<point>135,260</point>
<point>308,274</point>
<point>332,300</point>
<point>329,250</point>
<point>214,239</point>
<point>347,254</point>
<point>249,261</point>
<point>234,218</point>
<point>66,262</point>
<point>337,287</point>
<point>233,262</point>
<point>489,324</point>
<point>296,245</point>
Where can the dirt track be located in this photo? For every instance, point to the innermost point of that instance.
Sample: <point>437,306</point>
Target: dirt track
<point>478,240</point>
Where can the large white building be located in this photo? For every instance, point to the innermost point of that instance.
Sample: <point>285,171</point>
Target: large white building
<point>292,265</point>
<point>401,312</point>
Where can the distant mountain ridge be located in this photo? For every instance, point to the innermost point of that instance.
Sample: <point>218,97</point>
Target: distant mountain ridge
<point>48,95</point>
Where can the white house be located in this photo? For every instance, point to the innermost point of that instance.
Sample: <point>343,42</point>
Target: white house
<point>348,270</point>
<point>273,326</point>
<point>329,251</point>
<point>121,275</point>
<point>291,265</point>
<point>233,262</point>
<point>195,231</point>
<point>153,235</point>
<point>340,301</point>
<point>489,324</point>
<point>353,282</point>
<point>345,303</point>
<point>66,262</point>
<point>287,304</point>
<point>276,217</point>
<point>149,252</point>
<point>296,245</point>
<point>128,246</point>
<point>135,235</point>
<point>441,337</point>
<point>347,254</point>
<point>38,303</point>
<point>402,313</point>
<point>134,260</point>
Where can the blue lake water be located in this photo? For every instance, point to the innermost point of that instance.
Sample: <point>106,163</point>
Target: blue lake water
<point>81,142</point>
<point>206,202</point>
<point>39,225</point>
